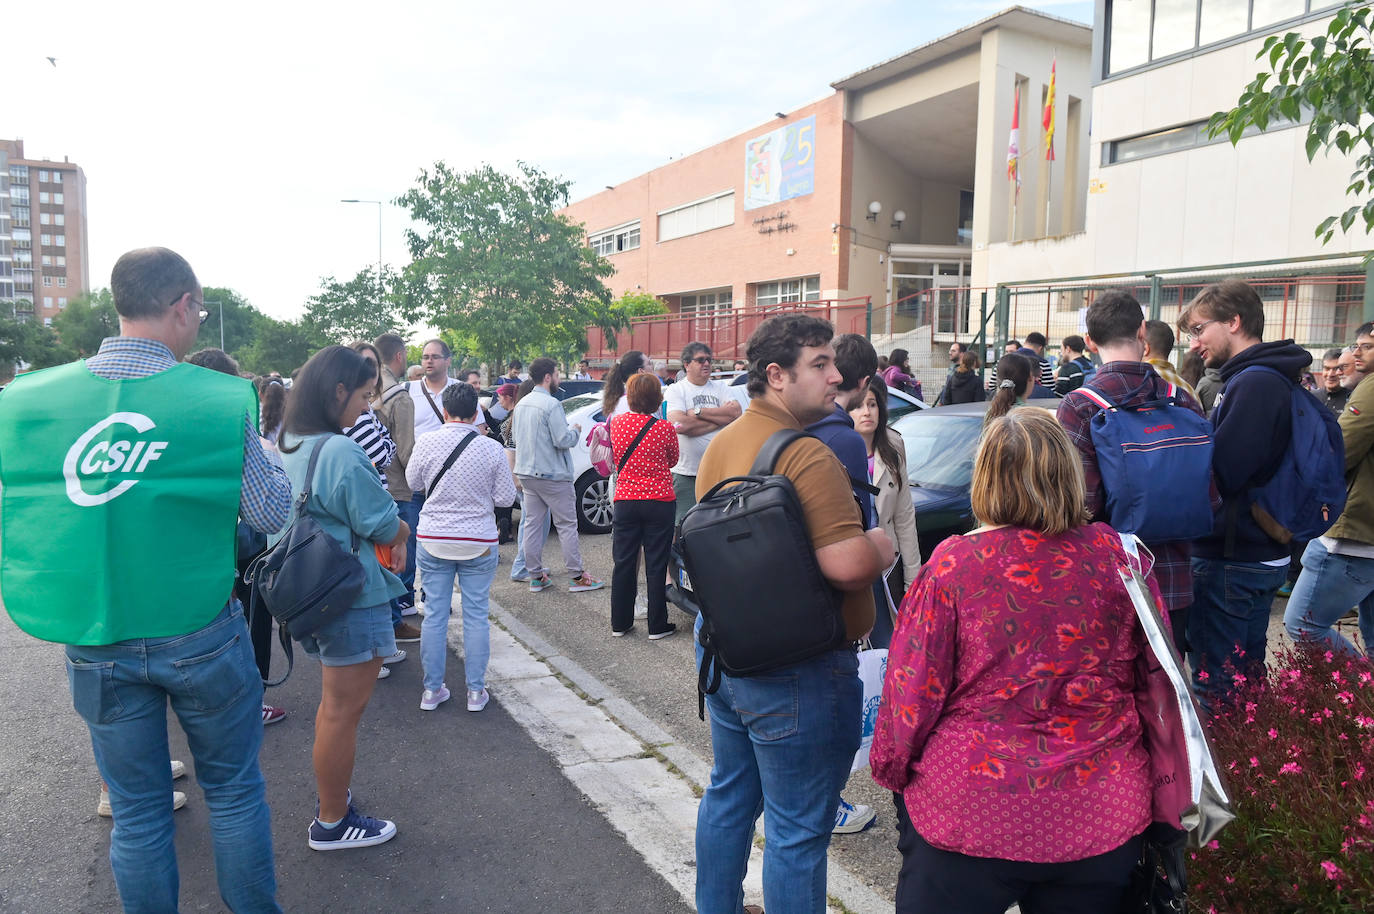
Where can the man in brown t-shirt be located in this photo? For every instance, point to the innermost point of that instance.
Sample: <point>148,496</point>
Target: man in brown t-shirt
<point>784,741</point>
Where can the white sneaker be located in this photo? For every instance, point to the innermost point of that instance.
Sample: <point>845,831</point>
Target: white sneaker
<point>396,657</point>
<point>102,806</point>
<point>431,699</point>
<point>478,700</point>
<point>384,672</point>
<point>852,817</point>
<point>178,769</point>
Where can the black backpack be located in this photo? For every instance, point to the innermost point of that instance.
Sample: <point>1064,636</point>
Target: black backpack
<point>764,602</point>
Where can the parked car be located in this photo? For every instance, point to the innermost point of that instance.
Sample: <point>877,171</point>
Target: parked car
<point>566,389</point>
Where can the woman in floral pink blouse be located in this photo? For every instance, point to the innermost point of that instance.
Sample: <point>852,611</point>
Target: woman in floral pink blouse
<point>1008,722</point>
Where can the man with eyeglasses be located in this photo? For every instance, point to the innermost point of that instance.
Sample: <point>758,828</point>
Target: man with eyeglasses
<point>699,407</point>
<point>1239,567</point>
<point>1331,392</point>
<point>1338,568</point>
<point>120,510</point>
<point>1351,373</point>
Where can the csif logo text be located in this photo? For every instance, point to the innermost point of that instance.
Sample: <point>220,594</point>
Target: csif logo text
<point>106,457</point>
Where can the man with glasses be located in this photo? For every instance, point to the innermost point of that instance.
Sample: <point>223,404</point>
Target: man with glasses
<point>699,407</point>
<point>1331,392</point>
<point>119,529</point>
<point>1239,567</point>
<point>426,395</point>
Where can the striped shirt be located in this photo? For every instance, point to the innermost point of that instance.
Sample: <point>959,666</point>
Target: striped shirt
<point>265,499</point>
<point>375,441</point>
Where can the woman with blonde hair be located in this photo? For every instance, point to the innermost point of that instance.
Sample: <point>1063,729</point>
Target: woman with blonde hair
<point>1008,723</point>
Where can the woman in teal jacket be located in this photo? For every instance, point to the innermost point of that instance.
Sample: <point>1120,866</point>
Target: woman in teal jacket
<point>346,500</point>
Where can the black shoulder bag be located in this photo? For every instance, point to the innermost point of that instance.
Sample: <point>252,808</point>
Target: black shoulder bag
<point>462,445</point>
<point>620,466</point>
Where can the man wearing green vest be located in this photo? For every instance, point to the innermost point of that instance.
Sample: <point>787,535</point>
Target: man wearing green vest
<point>123,478</point>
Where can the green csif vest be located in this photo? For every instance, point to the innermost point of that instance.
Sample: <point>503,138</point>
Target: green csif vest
<point>120,501</point>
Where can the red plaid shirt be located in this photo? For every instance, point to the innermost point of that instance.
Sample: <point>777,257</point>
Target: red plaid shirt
<point>1131,384</point>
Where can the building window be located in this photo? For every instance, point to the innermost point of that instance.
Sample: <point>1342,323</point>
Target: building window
<point>42,177</point>
<point>613,241</point>
<point>19,174</point>
<point>719,300</point>
<point>21,216</point>
<point>712,212</point>
<point>59,218</point>
<point>44,219</point>
<point>47,280</point>
<point>62,241</point>
<point>62,283</point>
<point>1184,136</point>
<point>57,177</point>
<point>47,322</point>
<point>47,301</point>
<point>1140,31</point>
<point>772,294</point>
<point>61,303</point>
<point>43,196</point>
<point>57,198</point>
<point>45,239</point>
<point>60,260</point>
<point>47,261</point>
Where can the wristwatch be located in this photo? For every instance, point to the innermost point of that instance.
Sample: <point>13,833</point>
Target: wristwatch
<point>696,411</point>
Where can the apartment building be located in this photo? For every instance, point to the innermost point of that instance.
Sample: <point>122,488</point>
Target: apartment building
<point>49,260</point>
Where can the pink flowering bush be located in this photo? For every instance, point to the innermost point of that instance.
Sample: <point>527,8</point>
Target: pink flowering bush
<point>1297,749</point>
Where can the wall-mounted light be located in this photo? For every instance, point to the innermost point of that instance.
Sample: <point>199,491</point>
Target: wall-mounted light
<point>874,209</point>
<point>898,218</point>
<point>780,114</point>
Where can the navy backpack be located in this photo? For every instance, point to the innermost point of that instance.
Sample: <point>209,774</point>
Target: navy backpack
<point>1156,465</point>
<point>1307,493</point>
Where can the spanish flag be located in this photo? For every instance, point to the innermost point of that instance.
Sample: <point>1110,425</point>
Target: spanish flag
<point>1014,144</point>
<point>1048,121</point>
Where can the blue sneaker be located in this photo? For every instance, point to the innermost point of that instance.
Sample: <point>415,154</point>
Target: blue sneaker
<point>852,817</point>
<point>355,830</point>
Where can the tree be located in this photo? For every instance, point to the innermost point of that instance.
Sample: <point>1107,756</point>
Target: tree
<point>493,262</point>
<point>1332,76</point>
<point>280,346</point>
<point>24,340</point>
<point>86,321</point>
<point>639,304</point>
<point>359,309</point>
<point>240,320</point>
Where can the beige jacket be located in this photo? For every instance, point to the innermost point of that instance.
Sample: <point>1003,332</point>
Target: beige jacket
<point>396,410</point>
<point>896,514</point>
<point>1357,428</point>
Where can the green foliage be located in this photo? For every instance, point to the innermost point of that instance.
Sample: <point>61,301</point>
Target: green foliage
<point>280,346</point>
<point>497,266</point>
<point>240,320</point>
<point>86,321</point>
<point>25,340</point>
<point>1332,76</point>
<point>639,304</point>
<point>362,308</point>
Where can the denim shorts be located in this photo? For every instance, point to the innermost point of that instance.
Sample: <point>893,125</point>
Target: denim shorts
<point>356,636</point>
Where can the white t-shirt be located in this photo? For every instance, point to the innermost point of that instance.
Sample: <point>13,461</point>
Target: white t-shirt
<point>684,396</point>
<point>425,420</point>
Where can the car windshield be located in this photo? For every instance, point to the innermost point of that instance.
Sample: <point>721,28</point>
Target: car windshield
<point>940,449</point>
<point>573,404</point>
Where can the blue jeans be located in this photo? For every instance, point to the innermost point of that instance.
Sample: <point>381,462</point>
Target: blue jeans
<point>783,743</point>
<point>1228,623</point>
<point>518,571</point>
<point>121,691</point>
<point>474,577</point>
<point>410,513</point>
<point>1328,586</point>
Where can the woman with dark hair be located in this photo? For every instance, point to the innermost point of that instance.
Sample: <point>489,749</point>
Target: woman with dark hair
<point>645,505</point>
<point>329,395</point>
<point>1008,725</point>
<point>465,476</point>
<point>1016,380</point>
<point>898,373</point>
<point>962,385</point>
<point>895,513</point>
<point>613,401</point>
<point>273,408</point>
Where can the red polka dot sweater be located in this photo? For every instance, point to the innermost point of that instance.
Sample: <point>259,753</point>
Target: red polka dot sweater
<point>648,474</point>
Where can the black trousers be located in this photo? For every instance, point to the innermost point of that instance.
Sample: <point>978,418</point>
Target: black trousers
<point>646,525</point>
<point>934,880</point>
<point>259,628</point>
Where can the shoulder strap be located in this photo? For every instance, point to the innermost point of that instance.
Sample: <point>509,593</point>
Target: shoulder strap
<point>462,445</point>
<point>424,389</point>
<point>310,477</point>
<point>392,391</point>
<point>1269,368</point>
<point>619,467</point>
<point>1094,396</point>
<point>772,449</point>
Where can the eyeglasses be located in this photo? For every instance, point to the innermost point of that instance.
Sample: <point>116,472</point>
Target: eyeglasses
<point>204,315</point>
<point>1196,330</point>
<point>1362,347</point>
<point>1333,369</point>
<point>701,360</point>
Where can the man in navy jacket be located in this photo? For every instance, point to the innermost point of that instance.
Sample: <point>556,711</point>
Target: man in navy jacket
<point>1239,567</point>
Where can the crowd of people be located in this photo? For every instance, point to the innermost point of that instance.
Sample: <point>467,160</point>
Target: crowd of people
<point>1010,702</point>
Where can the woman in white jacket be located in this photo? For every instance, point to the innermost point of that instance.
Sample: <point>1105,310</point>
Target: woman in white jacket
<point>465,476</point>
<point>896,514</point>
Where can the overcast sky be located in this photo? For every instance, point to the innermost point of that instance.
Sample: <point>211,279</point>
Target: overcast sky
<point>230,132</point>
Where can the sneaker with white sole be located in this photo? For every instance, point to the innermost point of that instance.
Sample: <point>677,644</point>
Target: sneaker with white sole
<point>179,768</point>
<point>396,657</point>
<point>477,700</point>
<point>270,715</point>
<point>384,672</point>
<point>355,830</point>
<point>852,817</point>
<point>102,805</point>
<point>540,583</point>
<point>585,582</point>
<point>432,699</point>
<point>659,636</point>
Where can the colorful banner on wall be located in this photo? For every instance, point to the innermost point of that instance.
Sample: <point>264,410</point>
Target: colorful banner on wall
<point>780,164</point>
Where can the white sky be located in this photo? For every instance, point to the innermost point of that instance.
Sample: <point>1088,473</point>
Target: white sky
<point>230,133</point>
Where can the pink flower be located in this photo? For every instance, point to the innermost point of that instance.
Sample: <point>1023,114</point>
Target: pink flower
<point>1291,768</point>
<point>1273,734</point>
<point>1332,871</point>
<point>1213,844</point>
<point>1254,762</point>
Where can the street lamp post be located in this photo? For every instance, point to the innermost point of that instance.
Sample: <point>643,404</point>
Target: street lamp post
<point>379,236</point>
<point>221,321</point>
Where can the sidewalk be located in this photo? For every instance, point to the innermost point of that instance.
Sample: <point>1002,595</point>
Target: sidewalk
<point>487,820</point>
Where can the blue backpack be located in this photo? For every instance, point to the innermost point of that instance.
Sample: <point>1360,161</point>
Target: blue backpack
<point>1156,465</point>
<point>1307,493</point>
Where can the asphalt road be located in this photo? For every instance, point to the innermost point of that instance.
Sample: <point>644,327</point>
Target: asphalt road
<point>487,821</point>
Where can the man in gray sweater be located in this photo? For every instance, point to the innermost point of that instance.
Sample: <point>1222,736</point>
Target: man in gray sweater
<point>543,468</point>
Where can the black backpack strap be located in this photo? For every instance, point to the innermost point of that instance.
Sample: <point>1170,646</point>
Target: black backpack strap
<point>863,485</point>
<point>462,445</point>
<point>708,673</point>
<point>772,449</point>
<point>619,467</point>
<point>310,477</point>
<point>282,636</point>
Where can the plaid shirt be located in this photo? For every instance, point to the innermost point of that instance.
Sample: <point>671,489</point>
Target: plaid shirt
<point>265,500</point>
<point>1131,384</point>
